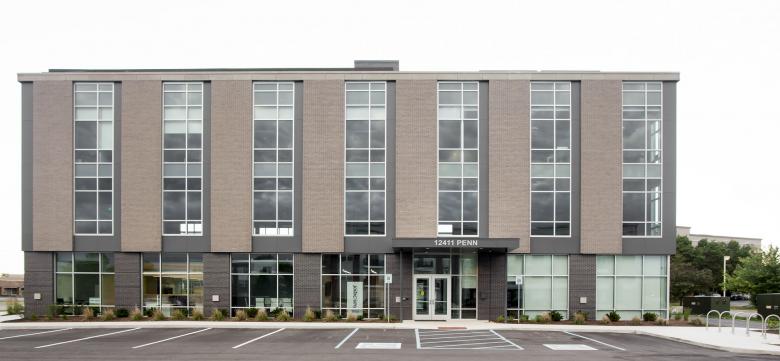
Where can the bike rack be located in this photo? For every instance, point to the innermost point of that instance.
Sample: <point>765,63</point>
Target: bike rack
<point>720,317</point>
<point>766,321</point>
<point>734,318</point>
<point>707,319</point>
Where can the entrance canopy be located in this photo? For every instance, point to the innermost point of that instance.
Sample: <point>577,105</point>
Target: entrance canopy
<point>454,242</point>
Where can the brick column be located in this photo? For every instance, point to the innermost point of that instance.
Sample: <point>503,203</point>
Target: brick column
<point>491,285</point>
<point>38,278</point>
<point>400,266</point>
<point>582,283</point>
<point>127,280</point>
<point>216,281</point>
<point>307,281</point>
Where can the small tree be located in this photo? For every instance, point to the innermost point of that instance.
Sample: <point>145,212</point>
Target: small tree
<point>758,273</point>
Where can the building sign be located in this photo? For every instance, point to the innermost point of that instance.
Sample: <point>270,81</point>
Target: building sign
<point>456,242</point>
<point>355,297</point>
<point>502,243</point>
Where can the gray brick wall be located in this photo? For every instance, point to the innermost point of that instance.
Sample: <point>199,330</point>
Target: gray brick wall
<point>127,280</point>
<point>400,266</point>
<point>38,278</point>
<point>216,281</point>
<point>307,281</point>
<point>582,283</point>
<point>491,285</point>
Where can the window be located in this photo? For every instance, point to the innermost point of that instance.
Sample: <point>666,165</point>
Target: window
<point>550,158</point>
<point>182,159</point>
<point>84,279</point>
<point>273,172</point>
<point>642,159</point>
<point>93,158</point>
<point>461,265</point>
<point>458,142</point>
<point>262,281</point>
<point>364,184</point>
<point>631,285</point>
<point>354,283</point>
<point>537,284</point>
<point>172,281</point>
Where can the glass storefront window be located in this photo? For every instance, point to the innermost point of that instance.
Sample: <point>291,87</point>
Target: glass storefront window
<point>172,281</point>
<point>262,280</point>
<point>353,283</point>
<point>631,285</point>
<point>84,279</point>
<point>537,284</point>
<point>461,265</point>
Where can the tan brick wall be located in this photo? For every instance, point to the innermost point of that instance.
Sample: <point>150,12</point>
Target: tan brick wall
<point>509,161</point>
<point>323,166</point>
<point>141,166</point>
<point>416,148</point>
<point>52,199</point>
<point>601,184</point>
<point>231,166</point>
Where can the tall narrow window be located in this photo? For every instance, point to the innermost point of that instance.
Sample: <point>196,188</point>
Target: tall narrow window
<point>550,158</point>
<point>642,159</point>
<point>364,185</point>
<point>458,121</point>
<point>183,159</point>
<point>273,159</point>
<point>93,158</point>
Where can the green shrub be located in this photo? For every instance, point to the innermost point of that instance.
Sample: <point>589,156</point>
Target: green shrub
<point>157,315</point>
<point>696,322</point>
<point>686,315</point>
<point>14,307</point>
<point>217,315</point>
<point>33,317</point>
<point>330,316</point>
<point>53,311</point>
<point>605,320</point>
<point>251,312</point>
<point>361,317</point>
<point>543,318</point>
<point>136,314</point>
<point>511,318</point>
<point>318,314</point>
<point>580,318</point>
<point>613,316</point>
<point>283,316</point>
<point>649,317</point>
<point>556,316</point>
<point>149,312</point>
<point>309,315</point>
<point>500,319</point>
<point>636,321</point>
<point>524,318</point>
<point>677,316</point>
<point>122,313</point>
<point>178,315</point>
<point>262,315</point>
<point>108,315</point>
<point>197,315</point>
<point>241,315</point>
<point>390,318</point>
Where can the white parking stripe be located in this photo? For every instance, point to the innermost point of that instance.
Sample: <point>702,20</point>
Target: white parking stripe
<point>462,336</point>
<point>460,340</point>
<point>431,332</point>
<point>417,336</point>
<point>596,341</point>
<point>346,338</point>
<point>35,333</point>
<point>504,338</point>
<point>171,338</point>
<point>255,339</point>
<point>467,344</point>
<point>88,338</point>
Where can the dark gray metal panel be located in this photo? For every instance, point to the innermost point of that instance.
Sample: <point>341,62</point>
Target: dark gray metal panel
<point>484,159</point>
<point>110,243</point>
<point>307,282</point>
<point>38,278</point>
<point>216,281</point>
<point>582,283</point>
<point>290,244</point>
<point>571,244</point>
<point>382,244</point>
<point>399,264</point>
<point>491,289</point>
<point>199,243</point>
<point>127,280</point>
<point>667,244</point>
<point>27,174</point>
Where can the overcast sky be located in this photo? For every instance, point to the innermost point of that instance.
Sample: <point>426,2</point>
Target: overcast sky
<point>728,54</point>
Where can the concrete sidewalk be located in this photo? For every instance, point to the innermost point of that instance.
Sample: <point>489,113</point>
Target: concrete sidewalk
<point>699,336</point>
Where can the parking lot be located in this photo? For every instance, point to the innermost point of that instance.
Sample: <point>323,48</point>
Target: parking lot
<point>342,344</point>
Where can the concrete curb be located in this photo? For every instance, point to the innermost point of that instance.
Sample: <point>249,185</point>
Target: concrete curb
<point>710,346</point>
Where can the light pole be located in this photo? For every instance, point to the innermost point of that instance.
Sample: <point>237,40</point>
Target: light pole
<point>725,258</point>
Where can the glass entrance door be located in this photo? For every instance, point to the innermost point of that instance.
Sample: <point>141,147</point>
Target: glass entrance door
<point>431,297</point>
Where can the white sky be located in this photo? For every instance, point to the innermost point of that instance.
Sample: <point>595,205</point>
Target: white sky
<point>728,54</point>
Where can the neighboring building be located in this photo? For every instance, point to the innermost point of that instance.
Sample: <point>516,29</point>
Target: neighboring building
<point>695,238</point>
<point>480,193</point>
<point>11,285</point>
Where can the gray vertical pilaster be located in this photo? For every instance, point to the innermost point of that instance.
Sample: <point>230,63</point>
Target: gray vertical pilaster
<point>582,283</point>
<point>307,282</point>
<point>491,285</point>
<point>38,278</point>
<point>127,280</point>
<point>216,281</point>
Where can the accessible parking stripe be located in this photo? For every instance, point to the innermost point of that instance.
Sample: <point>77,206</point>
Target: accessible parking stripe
<point>346,338</point>
<point>171,338</point>
<point>596,341</point>
<point>35,333</point>
<point>88,338</point>
<point>257,338</point>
